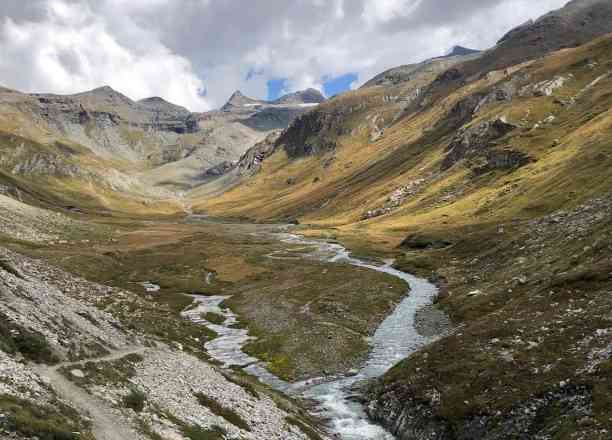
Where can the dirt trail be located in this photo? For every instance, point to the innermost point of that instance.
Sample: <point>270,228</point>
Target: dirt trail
<point>106,425</point>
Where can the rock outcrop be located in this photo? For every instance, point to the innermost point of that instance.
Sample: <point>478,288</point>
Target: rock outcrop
<point>475,140</point>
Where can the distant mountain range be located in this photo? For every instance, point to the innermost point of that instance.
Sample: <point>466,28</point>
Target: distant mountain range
<point>168,145</point>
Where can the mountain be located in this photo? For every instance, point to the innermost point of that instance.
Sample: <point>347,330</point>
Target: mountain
<point>488,174</point>
<point>308,96</point>
<point>425,69</point>
<point>490,177</point>
<point>304,97</point>
<point>264,116</point>
<point>147,147</point>
<point>238,100</point>
<point>578,22</point>
<point>460,51</point>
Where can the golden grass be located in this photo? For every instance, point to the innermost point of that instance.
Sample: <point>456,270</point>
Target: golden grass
<point>365,173</point>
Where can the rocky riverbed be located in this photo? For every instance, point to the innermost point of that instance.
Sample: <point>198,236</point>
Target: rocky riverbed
<point>395,339</point>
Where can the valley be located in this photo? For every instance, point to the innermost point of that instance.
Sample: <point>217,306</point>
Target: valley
<point>427,256</point>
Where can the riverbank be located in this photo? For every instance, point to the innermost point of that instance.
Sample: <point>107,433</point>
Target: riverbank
<point>395,338</point>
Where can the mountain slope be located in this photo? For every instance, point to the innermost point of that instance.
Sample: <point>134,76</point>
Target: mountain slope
<point>101,149</point>
<point>496,185</point>
<point>436,66</point>
<point>577,23</point>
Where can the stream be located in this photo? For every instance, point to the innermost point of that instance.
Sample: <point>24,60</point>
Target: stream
<point>395,339</point>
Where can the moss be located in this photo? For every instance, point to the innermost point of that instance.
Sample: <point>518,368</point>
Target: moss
<point>214,318</point>
<point>218,409</point>
<point>267,348</point>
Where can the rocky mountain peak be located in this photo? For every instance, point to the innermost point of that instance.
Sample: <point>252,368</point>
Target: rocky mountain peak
<point>461,51</point>
<point>153,100</point>
<point>238,99</point>
<point>105,93</point>
<point>156,103</point>
<point>308,96</point>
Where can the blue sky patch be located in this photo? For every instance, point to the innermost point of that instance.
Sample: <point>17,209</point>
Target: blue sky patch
<point>331,85</point>
<point>339,84</point>
<point>276,87</point>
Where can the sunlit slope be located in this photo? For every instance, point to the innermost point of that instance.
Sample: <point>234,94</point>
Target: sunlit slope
<point>50,169</point>
<point>517,142</point>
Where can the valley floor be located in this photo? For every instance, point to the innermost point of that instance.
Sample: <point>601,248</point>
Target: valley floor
<point>310,318</point>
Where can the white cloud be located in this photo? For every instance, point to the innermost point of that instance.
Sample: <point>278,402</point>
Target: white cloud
<point>172,48</point>
<point>377,11</point>
<point>72,50</point>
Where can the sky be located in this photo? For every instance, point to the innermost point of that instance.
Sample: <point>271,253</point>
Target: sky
<point>195,53</point>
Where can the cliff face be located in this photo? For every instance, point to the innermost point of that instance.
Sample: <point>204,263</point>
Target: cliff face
<point>313,133</point>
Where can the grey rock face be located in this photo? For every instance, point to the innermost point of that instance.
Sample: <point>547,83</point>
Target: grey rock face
<point>409,418</point>
<point>314,132</point>
<point>504,160</point>
<point>474,140</point>
<point>250,162</point>
<point>308,96</point>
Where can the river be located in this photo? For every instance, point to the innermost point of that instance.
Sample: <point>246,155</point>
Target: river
<point>395,339</point>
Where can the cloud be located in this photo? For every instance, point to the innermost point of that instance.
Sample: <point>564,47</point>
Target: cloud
<point>174,48</point>
<point>71,49</point>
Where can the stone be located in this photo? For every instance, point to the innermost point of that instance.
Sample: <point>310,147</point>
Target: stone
<point>77,373</point>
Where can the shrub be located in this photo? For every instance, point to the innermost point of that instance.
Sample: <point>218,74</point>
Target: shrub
<point>32,345</point>
<point>135,400</point>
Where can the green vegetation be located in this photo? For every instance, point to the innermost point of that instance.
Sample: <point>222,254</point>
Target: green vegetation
<point>218,409</point>
<point>213,318</point>
<point>104,372</point>
<point>195,432</point>
<point>243,382</point>
<point>32,345</point>
<point>49,422</point>
<point>267,348</point>
<point>307,318</point>
<point>135,400</point>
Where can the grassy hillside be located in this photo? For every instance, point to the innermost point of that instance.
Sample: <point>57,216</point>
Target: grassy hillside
<point>563,135</point>
<point>501,192</point>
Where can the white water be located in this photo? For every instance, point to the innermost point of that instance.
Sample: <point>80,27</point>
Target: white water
<point>394,340</point>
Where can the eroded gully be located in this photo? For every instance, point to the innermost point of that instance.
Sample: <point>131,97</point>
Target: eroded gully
<point>395,339</point>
